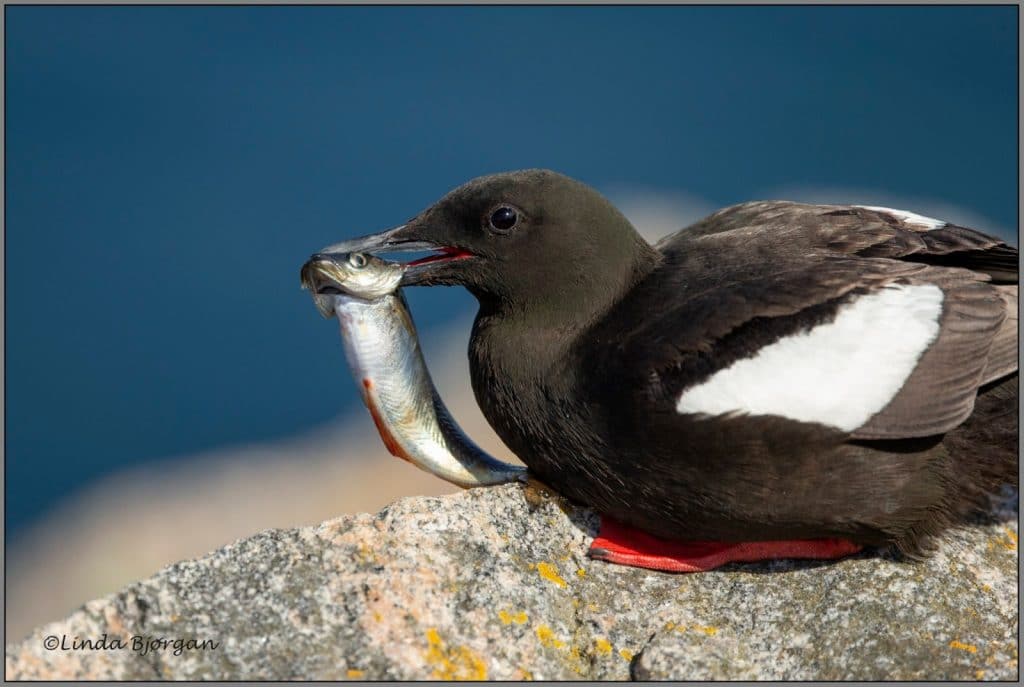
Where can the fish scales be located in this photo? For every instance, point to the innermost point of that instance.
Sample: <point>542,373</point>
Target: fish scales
<point>384,356</point>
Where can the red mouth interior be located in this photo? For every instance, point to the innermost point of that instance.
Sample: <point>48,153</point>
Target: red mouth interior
<point>445,254</point>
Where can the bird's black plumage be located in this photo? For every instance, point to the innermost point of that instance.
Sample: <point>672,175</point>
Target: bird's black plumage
<point>587,338</point>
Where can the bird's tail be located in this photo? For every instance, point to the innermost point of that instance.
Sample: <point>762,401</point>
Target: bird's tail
<point>984,449</point>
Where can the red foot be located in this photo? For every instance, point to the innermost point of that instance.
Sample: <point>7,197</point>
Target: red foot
<point>618,543</point>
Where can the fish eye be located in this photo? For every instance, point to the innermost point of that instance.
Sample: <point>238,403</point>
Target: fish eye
<point>357,260</point>
<point>504,218</point>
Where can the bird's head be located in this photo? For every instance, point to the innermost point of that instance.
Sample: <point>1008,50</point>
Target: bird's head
<point>514,237</point>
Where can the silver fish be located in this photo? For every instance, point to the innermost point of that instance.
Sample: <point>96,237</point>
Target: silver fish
<point>384,356</point>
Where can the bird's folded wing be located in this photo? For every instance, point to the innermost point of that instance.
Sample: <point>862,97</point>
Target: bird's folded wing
<point>879,322</point>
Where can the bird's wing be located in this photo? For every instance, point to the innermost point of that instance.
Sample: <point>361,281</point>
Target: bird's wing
<point>875,321</point>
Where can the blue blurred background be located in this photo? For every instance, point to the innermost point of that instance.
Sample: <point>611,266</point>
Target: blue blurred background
<point>169,169</point>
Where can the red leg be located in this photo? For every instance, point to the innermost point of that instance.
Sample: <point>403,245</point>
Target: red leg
<point>618,543</point>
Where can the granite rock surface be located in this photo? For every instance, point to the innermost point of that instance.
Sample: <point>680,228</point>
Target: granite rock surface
<point>495,584</point>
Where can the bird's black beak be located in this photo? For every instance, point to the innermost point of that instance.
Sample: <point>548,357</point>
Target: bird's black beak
<point>397,240</point>
<point>404,239</point>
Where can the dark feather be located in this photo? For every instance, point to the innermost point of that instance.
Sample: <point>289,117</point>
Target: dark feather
<point>588,400</point>
<point>752,274</point>
<point>940,392</point>
<point>1003,356</point>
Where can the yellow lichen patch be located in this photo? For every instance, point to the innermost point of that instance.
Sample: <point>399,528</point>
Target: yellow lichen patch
<point>354,674</point>
<point>572,653</point>
<point>1011,539</point>
<point>365,554</point>
<point>507,618</point>
<point>603,646</point>
<point>547,637</point>
<point>709,630</point>
<point>979,674</point>
<point>457,663</point>
<point>963,647</point>
<point>575,660</point>
<point>626,654</point>
<point>581,573</point>
<point>550,573</point>
<point>522,674</point>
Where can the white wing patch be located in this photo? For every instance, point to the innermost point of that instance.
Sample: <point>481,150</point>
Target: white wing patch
<point>840,373</point>
<point>912,218</point>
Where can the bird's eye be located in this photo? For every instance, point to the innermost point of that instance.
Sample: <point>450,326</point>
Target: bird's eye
<point>357,260</point>
<point>504,218</point>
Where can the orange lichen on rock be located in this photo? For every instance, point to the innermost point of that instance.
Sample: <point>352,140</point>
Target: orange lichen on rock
<point>956,644</point>
<point>547,638</point>
<point>550,573</point>
<point>522,674</point>
<point>507,618</point>
<point>457,663</point>
<point>572,654</point>
<point>709,630</point>
<point>1011,539</point>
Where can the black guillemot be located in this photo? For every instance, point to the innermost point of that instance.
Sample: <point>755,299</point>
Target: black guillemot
<point>777,380</point>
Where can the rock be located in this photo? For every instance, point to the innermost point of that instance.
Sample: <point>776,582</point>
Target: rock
<point>495,583</point>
